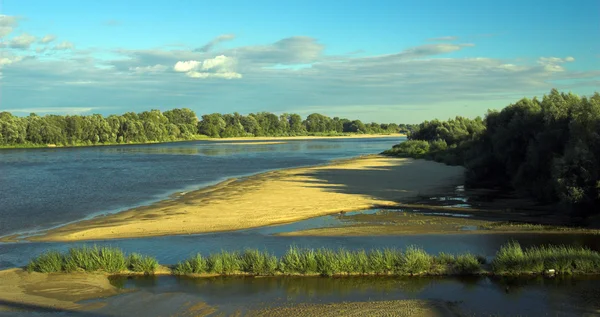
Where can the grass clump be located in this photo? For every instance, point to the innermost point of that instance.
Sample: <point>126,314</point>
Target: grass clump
<point>414,261</point>
<point>298,261</point>
<point>512,259</point>
<point>86,259</point>
<point>142,263</point>
<point>466,264</point>
<point>258,263</point>
<point>225,263</point>
<point>194,265</point>
<point>49,262</point>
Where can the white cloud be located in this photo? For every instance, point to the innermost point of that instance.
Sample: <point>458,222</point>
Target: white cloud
<point>7,24</point>
<point>10,60</point>
<point>218,67</point>
<point>552,64</point>
<point>63,46</point>
<point>22,41</point>
<point>183,67</point>
<point>47,39</point>
<point>149,69</point>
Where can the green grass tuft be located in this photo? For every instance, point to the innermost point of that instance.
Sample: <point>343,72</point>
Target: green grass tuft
<point>142,263</point>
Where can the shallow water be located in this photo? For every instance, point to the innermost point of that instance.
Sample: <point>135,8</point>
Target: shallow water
<point>41,188</point>
<point>471,296</point>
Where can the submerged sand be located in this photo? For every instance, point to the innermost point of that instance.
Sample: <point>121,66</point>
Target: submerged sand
<point>20,290</point>
<point>273,198</point>
<point>373,308</point>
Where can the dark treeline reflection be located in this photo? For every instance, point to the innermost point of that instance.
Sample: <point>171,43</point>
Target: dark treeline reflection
<point>171,125</point>
<point>548,149</point>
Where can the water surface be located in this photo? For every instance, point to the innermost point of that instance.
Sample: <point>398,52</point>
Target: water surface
<point>42,188</point>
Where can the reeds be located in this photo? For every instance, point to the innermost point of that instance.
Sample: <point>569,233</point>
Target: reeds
<point>510,259</point>
<point>92,259</point>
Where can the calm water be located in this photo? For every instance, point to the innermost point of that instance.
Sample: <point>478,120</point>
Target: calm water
<point>48,187</point>
<point>41,188</point>
<point>473,296</point>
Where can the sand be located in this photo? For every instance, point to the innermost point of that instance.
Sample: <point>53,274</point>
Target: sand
<point>276,197</point>
<point>308,137</point>
<point>51,292</point>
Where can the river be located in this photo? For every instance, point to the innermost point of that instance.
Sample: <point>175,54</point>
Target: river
<point>42,188</point>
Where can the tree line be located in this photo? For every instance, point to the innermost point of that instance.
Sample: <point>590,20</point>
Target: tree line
<point>548,149</point>
<point>171,125</point>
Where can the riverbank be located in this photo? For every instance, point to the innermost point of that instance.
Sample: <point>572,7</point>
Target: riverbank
<point>310,137</point>
<point>207,138</point>
<point>271,198</point>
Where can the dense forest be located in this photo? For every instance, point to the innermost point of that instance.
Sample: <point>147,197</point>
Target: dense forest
<point>176,124</point>
<point>548,149</point>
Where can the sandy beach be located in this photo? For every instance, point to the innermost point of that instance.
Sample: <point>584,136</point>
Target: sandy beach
<point>270,198</point>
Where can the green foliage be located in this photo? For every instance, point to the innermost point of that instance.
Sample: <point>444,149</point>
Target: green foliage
<point>548,149</point>
<point>194,265</point>
<point>415,261</point>
<point>89,259</point>
<point>177,124</point>
<point>51,261</point>
<point>224,263</point>
<point>258,263</point>
<point>467,264</point>
<point>512,259</point>
<point>142,263</point>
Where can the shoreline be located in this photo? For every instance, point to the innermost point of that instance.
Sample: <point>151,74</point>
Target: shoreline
<point>271,198</point>
<point>206,138</point>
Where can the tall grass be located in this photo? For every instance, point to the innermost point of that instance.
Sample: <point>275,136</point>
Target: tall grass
<point>512,259</point>
<point>142,263</point>
<point>92,259</point>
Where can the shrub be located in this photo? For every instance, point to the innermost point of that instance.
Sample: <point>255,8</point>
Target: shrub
<point>466,264</point>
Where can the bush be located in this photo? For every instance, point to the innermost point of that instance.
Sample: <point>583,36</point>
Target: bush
<point>467,264</point>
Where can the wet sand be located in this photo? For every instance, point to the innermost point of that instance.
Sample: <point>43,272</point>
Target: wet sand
<point>454,221</point>
<point>374,308</point>
<point>276,197</point>
<point>20,290</point>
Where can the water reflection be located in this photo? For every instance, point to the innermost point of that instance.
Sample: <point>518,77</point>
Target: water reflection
<point>473,295</point>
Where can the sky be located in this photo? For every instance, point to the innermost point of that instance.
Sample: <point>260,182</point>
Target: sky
<point>383,61</point>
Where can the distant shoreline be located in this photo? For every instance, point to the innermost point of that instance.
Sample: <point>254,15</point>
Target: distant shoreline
<point>205,138</point>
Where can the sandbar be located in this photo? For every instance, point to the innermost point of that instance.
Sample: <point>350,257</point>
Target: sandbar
<point>55,292</point>
<point>276,197</point>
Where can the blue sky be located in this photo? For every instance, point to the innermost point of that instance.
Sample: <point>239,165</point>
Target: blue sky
<point>384,61</point>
